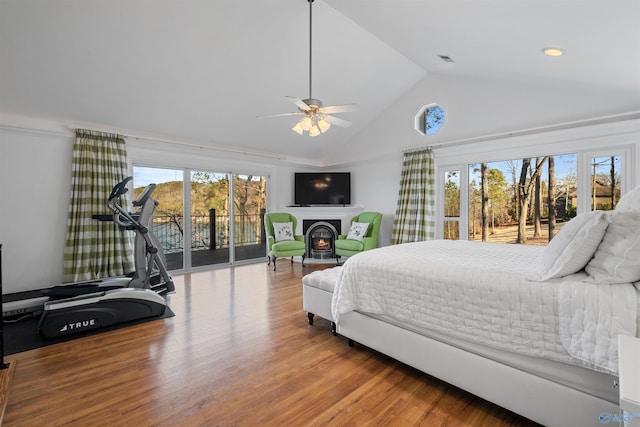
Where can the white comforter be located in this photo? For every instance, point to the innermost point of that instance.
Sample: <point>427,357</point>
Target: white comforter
<point>479,292</point>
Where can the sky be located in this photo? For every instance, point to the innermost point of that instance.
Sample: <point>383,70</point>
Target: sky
<point>143,176</point>
<point>565,165</point>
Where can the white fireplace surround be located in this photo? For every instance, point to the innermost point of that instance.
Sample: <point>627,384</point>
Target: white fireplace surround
<point>343,213</point>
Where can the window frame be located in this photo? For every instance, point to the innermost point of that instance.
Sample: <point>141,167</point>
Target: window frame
<point>601,140</point>
<point>584,174</point>
<point>463,219</point>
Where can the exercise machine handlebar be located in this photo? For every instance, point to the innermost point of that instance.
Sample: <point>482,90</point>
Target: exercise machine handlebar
<point>122,216</point>
<point>120,188</point>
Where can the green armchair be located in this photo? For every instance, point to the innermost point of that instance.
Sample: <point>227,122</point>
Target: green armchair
<point>349,247</point>
<point>281,238</point>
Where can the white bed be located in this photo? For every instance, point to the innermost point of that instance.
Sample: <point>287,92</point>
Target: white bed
<point>513,324</point>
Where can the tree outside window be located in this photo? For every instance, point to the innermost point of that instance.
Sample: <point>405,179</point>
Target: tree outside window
<point>522,200</point>
<point>452,205</point>
<point>605,182</point>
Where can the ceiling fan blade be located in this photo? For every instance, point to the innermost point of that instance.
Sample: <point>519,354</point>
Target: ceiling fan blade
<point>299,103</point>
<point>279,115</point>
<point>337,121</point>
<point>346,108</point>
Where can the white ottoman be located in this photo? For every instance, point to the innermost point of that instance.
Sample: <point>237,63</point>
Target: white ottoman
<point>317,291</point>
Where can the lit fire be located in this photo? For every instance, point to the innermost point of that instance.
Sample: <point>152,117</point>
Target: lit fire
<point>321,244</point>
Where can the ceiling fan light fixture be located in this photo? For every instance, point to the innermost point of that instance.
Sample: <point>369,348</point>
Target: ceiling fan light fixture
<point>298,129</point>
<point>314,131</point>
<point>306,123</point>
<point>323,125</point>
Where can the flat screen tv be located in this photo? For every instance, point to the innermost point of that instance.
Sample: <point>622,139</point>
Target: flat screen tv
<point>322,188</point>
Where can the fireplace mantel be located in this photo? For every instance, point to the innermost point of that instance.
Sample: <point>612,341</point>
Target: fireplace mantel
<point>343,213</point>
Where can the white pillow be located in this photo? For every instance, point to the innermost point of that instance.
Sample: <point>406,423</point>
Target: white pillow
<point>630,202</point>
<point>617,259</point>
<point>357,231</point>
<point>283,231</point>
<point>572,248</point>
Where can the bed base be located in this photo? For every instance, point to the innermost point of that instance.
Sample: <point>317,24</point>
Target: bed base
<point>541,400</point>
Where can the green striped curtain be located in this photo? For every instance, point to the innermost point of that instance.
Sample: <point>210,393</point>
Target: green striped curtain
<point>96,249</point>
<point>415,214</point>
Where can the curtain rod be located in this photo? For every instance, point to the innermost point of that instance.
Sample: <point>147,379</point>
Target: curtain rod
<point>174,142</point>
<point>532,131</point>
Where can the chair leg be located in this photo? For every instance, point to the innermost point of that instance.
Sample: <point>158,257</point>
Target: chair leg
<point>291,260</point>
<point>334,330</point>
<point>303,260</point>
<point>274,263</point>
<point>310,317</point>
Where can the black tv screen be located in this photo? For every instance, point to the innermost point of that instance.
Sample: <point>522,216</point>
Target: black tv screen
<point>322,188</point>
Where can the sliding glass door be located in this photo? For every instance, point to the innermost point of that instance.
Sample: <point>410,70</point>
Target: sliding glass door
<point>168,218</point>
<point>224,214</point>
<point>209,218</point>
<point>249,203</point>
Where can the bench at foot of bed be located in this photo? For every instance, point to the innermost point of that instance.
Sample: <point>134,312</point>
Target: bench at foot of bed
<point>317,292</point>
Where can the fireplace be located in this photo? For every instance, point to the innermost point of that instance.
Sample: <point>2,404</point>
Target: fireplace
<point>319,236</point>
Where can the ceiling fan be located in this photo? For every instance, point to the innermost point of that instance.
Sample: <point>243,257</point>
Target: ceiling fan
<point>316,118</point>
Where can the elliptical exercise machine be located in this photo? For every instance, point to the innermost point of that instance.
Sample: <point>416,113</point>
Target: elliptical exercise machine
<point>99,303</point>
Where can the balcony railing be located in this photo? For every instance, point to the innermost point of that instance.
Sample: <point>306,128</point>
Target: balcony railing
<point>208,231</point>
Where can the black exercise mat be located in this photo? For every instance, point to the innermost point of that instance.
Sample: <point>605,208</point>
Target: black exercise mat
<point>23,335</point>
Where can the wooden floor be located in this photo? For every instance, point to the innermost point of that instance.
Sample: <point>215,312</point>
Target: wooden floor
<point>239,352</point>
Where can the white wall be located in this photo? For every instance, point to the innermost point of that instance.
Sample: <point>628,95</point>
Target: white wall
<point>482,107</point>
<point>375,188</point>
<point>489,107</point>
<point>35,180</point>
<point>35,184</point>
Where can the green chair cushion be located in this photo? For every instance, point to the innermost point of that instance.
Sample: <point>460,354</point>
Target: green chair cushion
<point>349,245</point>
<point>288,245</point>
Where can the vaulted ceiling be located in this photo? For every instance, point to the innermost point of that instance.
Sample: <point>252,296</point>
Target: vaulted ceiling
<point>202,71</point>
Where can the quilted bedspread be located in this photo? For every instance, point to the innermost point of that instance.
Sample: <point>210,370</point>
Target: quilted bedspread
<point>479,292</point>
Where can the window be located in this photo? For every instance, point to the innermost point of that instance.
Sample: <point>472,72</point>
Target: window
<point>433,119</point>
<point>168,218</point>
<point>210,225</point>
<point>225,214</point>
<point>551,176</point>
<point>250,205</point>
<point>605,182</point>
<point>528,200</point>
<point>452,205</point>
<point>522,200</point>
<point>429,119</point>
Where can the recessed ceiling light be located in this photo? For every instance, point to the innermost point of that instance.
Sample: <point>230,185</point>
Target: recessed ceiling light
<point>553,51</point>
